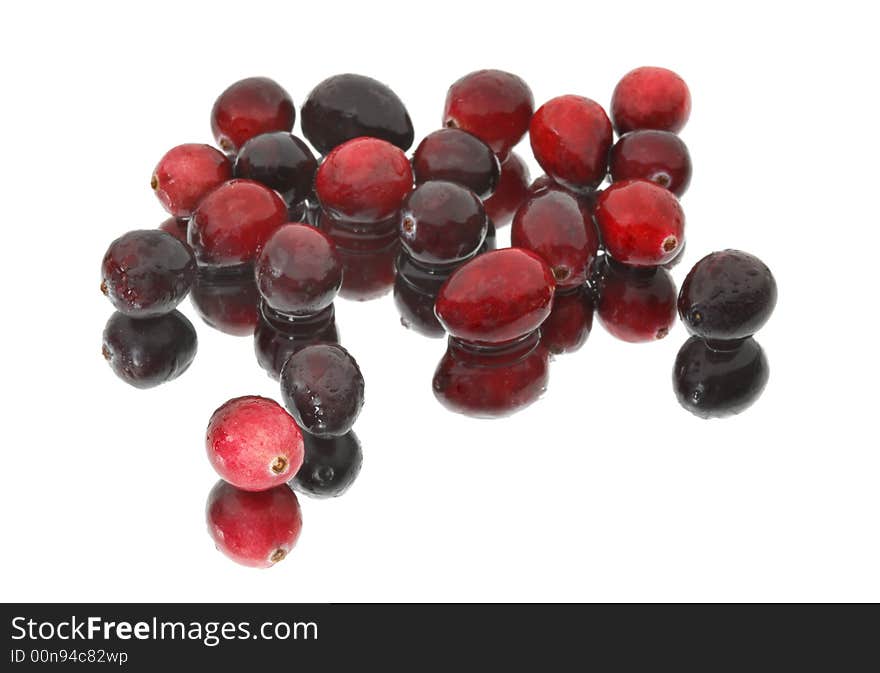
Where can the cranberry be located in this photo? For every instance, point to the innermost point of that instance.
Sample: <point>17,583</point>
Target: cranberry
<point>277,337</point>
<point>442,223</point>
<point>727,295</point>
<point>147,272</point>
<point>510,192</point>
<point>494,105</point>
<point>248,108</point>
<point>281,161</point>
<point>567,327</point>
<point>571,137</point>
<point>186,174</point>
<point>233,222</point>
<point>228,301</point>
<point>650,98</point>
<point>330,466</point>
<point>635,304</point>
<point>364,180</point>
<point>253,443</point>
<point>323,389</point>
<point>253,529</point>
<point>497,297</point>
<point>554,225</point>
<point>675,261</point>
<point>457,156</point>
<point>145,352</point>
<point>715,382</point>
<point>176,226</point>
<point>416,287</point>
<point>641,223</point>
<point>344,107</point>
<point>658,156</point>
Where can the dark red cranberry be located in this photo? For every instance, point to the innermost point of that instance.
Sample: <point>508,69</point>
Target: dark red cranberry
<point>147,272</point>
<point>281,161</point>
<point>658,156</point>
<point>176,226</point>
<point>415,291</point>
<point>248,108</point>
<point>323,388</point>
<point>641,223</point>
<point>715,382</point>
<point>569,324</point>
<point>330,467</point>
<point>571,137</point>
<point>554,225</point>
<point>350,106</point>
<point>510,192</point>
<point>186,174</point>
<point>277,337</point>
<point>253,443</point>
<point>253,529</point>
<point>635,304</point>
<point>494,105</point>
<point>497,297</point>
<point>364,180</point>
<point>234,221</point>
<point>145,352</point>
<point>727,295</point>
<point>650,98</point>
<point>442,223</point>
<point>228,301</point>
<point>457,156</point>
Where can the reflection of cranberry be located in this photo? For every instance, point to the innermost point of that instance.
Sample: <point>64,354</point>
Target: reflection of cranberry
<point>415,291</point>
<point>331,465</point>
<point>567,327</point>
<point>636,304</point>
<point>510,192</point>
<point>277,337</point>
<point>228,301</point>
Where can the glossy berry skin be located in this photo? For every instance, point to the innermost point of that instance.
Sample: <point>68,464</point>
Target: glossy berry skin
<point>511,191</point>
<point>640,223</point>
<point>416,287</point>
<point>442,223</point>
<point>176,226</point>
<point>233,222</point>
<point>717,382</point>
<point>494,105</point>
<point>554,225</point>
<point>323,388</point>
<point>146,352</point>
<point>364,180</point>
<point>635,304</point>
<point>568,326</point>
<point>281,161</point>
<point>457,156</point>
<point>253,443</point>
<point>254,529</point>
<point>330,466</point>
<point>496,297</point>
<point>248,108</point>
<point>147,272</point>
<point>571,137</point>
<point>277,337</point>
<point>186,174</point>
<point>650,98</point>
<point>228,301</point>
<point>658,156</point>
<point>298,271</point>
<point>727,295</point>
<point>350,106</point>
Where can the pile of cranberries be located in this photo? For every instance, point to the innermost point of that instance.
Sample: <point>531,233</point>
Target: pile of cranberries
<point>264,233</point>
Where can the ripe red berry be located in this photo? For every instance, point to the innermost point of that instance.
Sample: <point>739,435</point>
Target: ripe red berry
<point>511,191</point>
<point>641,223</point>
<point>248,108</point>
<point>635,304</point>
<point>233,222</point>
<point>571,137</point>
<point>281,161</point>
<point>364,180</point>
<point>457,156</point>
<point>176,226</point>
<point>658,156</point>
<point>253,443</point>
<point>650,98</point>
<point>494,105</point>
<point>186,174</point>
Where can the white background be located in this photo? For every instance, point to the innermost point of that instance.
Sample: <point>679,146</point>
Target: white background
<point>603,490</point>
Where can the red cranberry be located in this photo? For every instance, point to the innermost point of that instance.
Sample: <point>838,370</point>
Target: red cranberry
<point>635,304</point>
<point>658,156</point>
<point>641,223</point>
<point>510,192</point>
<point>457,156</point>
<point>494,105</point>
<point>330,467</point>
<point>186,174</point>
<point>254,529</point>
<point>233,222</point>
<point>364,180</point>
<point>281,161</point>
<point>228,301</point>
<point>569,324</point>
<point>497,297</point>
<point>277,337</point>
<point>147,272</point>
<point>253,443</point>
<point>176,226</point>
<point>248,108</point>
<point>650,98</point>
<point>554,225</point>
<point>571,137</point>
